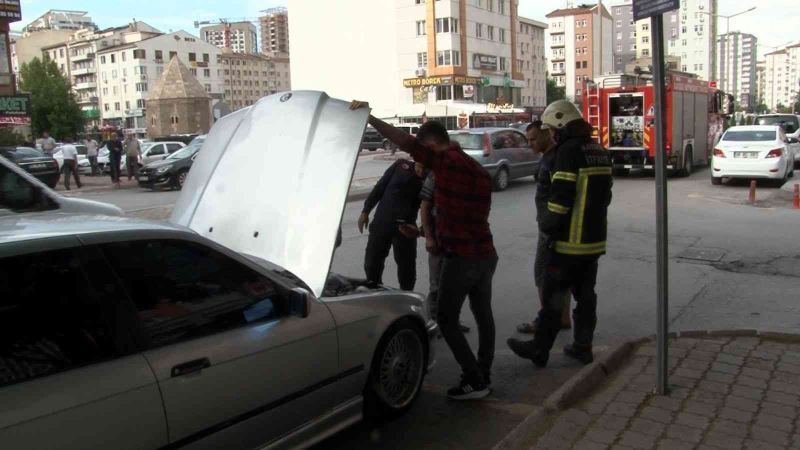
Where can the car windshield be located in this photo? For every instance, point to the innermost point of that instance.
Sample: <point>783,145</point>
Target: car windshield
<point>468,141</point>
<point>27,152</point>
<point>184,152</point>
<point>198,140</point>
<point>749,135</point>
<point>789,122</point>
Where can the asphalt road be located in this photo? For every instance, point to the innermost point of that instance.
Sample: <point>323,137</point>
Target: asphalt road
<point>752,284</point>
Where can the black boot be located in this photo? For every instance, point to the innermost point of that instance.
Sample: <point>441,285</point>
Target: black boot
<point>527,350</point>
<point>582,354</point>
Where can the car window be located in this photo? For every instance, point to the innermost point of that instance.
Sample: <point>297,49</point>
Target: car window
<point>82,150</point>
<point>185,152</point>
<point>520,141</point>
<point>503,139</point>
<point>155,150</point>
<point>183,290</point>
<point>468,141</point>
<point>173,147</point>
<point>51,319</point>
<point>27,152</point>
<point>19,195</point>
<point>749,135</point>
<point>789,122</point>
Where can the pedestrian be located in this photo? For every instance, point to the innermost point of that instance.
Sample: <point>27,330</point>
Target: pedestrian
<point>463,197</point>
<point>115,150</point>
<point>91,154</point>
<point>575,223</point>
<point>427,212</point>
<point>48,143</point>
<point>396,196</point>
<point>133,151</point>
<point>542,143</point>
<point>70,164</point>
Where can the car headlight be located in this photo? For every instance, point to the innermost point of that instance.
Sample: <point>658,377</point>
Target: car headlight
<point>163,169</point>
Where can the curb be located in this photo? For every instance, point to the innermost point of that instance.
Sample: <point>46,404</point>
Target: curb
<point>590,377</point>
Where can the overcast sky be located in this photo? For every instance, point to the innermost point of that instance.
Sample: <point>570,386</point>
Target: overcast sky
<point>774,22</point>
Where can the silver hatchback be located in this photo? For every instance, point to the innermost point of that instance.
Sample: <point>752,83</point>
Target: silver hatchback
<point>504,152</point>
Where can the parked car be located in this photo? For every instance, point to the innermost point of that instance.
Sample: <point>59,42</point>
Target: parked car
<point>410,129</point>
<point>221,328</point>
<point>754,151</point>
<point>185,138</point>
<point>504,152</point>
<point>790,124</point>
<point>36,163</point>
<point>21,192</point>
<point>169,172</point>
<point>156,151</point>
<point>84,167</point>
<point>372,140</point>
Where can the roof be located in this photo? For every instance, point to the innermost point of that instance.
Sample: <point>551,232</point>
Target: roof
<point>532,22</point>
<point>114,48</point>
<point>753,127</point>
<point>177,82</point>
<point>582,9</point>
<point>26,227</point>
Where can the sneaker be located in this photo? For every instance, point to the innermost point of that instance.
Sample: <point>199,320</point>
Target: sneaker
<point>468,390</point>
<point>582,354</point>
<point>526,350</point>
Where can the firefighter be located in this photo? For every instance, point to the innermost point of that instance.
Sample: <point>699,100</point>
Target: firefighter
<point>575,222</point>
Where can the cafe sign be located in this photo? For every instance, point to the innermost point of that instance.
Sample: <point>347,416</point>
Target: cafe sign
<point>440,81</point>
<point>484,62</point>
<point>498,108</point>
<point>15,110</point>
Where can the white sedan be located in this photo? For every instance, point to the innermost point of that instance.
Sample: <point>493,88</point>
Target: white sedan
<point>754,151</point>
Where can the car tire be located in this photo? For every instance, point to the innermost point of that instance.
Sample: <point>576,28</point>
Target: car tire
<point>688,163</point>
<point>180,178</point>
<point>387,146</point>
<point>397,372</point>
<point>501,180</point>
<point>716,181</point>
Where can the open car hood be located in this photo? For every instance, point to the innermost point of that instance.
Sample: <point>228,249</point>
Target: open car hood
<point>272,180</point>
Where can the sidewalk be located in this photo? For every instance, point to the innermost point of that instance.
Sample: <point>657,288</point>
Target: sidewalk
<point>728,392</point>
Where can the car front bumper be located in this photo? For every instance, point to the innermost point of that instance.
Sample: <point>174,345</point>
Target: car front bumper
<point>151,180</point>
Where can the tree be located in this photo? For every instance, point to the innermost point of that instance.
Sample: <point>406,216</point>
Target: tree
<point>555,92</point>
<point>53,105</point>
<point>796,105</point>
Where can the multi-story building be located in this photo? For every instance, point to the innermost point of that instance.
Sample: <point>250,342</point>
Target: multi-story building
<point>243,36</point>
<point>736,67</point>
<point>532,62</point>
<point>248,77</point>
<point>761,82</point>
<point>443,59</point>
<point>689,34</point>
<point>28,46</point>
<point>579,46</point>
<point>275,30</point>
<point>125,71</point>
<point>57,19</point>
<point>782,77</point>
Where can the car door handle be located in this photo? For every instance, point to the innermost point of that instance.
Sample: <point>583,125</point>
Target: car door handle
<point>190,367</point>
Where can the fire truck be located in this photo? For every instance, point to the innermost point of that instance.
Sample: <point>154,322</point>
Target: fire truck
<point>621,108</point>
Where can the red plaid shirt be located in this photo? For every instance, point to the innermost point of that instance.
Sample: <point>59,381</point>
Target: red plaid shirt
<point>463,199</point>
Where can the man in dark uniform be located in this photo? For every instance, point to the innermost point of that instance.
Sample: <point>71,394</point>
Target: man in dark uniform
<point>397,198</point>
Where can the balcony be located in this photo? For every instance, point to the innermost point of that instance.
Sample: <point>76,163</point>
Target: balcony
<point>82,57</point>
<point>85,85</point>
<point>87,100</point>
<point>82,71</point>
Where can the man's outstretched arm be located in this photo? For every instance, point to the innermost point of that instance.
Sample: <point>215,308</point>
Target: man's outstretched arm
<point>398,137</point>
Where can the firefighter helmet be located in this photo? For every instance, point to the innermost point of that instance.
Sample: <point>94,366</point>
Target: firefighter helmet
<point>559,113</point>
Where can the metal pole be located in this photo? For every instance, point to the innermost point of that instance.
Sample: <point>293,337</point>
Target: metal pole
<point>662,273</point>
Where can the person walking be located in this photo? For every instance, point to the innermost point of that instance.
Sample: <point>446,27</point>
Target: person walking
<point>396,196</point>
<point>542,142</point>
<point>133,152</point>
<point>463,198</point>
<point>575,223</point>
<point>91,154</point>
<point>48,143</point>
<point>70,165</point>
<point>115,150</point>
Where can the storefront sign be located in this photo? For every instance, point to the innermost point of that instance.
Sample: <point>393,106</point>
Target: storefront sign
<point>643,9</point>
<point>15,110</point>
<point>469,91</point>
<point>420,95</point>
<point>10,11</point>
<point>463,120</point>
<point>495,108</point>
<point>440,81</point>
<point>484,62</point>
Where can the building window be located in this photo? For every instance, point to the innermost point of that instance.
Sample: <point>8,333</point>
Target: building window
<point>490,5</point>
<point>192,57</point>
<point>140,103</point>
<point>448,58</point>
<point>447,25</point>
<point>619,47</point>
<point>584,65</point>
<point>503,64</point>
<point>490,32</point>
<point>113,59</point>
<point>116,106</point>
<point>645,52</point>
<point>501,6</point>
<point>172,55</point>
<point>577,64</point>
<point>645,27</point>
<point>444,92</point>
<point>478,30</point>
<point>159,55</point>
<point>141,87</point>
<point>206,58</point>
<point>139,54</point>
<point>422,59</point>
<point>421,28</point>
<point>502,34</point>
<point>106,107</point>
<point>645,39</point>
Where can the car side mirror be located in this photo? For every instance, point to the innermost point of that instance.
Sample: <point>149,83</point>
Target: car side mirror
<point>792,140</point>
<point>299,303</point>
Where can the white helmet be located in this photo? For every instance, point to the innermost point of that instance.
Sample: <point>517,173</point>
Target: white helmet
<point>559,113</point>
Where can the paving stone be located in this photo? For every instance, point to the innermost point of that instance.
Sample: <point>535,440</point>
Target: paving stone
<point>577,417</point>
<point>691,420</point>
<point>586,444</point>
<point>786,367</point>
<point>634,397</point>
<point>656,414</point>
<point>552,441</point>
<point>647,426</point>
<point>610,423</point>
<point>780,386</point>
<point>785,377</point>
<point>736,415</point>
<point>637,440</point>
<point>566,428</point>
<point>750,444</point>
<point>695,364</point>
<point>755,373</point>
<point>777,409</point>
<point>719,377</point>
<point>700,408</point>
<point>730,359</point>
<point>601,436</point>
<point>761,354</point>
<point>680,393</point>
<point>713,386</point>
<point>725,426</point>
<point>783,398</point>
<point>702,355</point>
<point>756,363</point>
<point>677,380</point>
<point>744,380</point>
<point>674,444</point>
<point>621,409</point>
<point>748,392</point>
<point>594,408</point>
<point>795,441</point>
<point>725,368</point>
<point>709,347</point>
<point>770,435</point>
<point>713,398</point>
<point>744,404</point>
<point>684,433</point>
<point>664,402</point>
<point>779,423</point>
<point>720,440</point>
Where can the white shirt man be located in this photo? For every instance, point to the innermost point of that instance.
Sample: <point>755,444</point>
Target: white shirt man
<point>69,152</point>
<point>91,148</point>
<point>48,144</point>
<point>70,166</point>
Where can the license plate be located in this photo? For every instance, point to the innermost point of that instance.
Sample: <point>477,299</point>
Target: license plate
<point>745,154</point>
<point>38,166</point>
<point>143,178</point>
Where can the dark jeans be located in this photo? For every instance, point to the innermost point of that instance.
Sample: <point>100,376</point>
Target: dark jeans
<point>565,273</point>
<point>132,163</point>
<point>461,278</point>
<point>70,167</point>
<point>114,160</point>
<point>382,238</point>
<point>93,163</point>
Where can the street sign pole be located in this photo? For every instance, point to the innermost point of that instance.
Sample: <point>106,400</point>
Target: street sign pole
<point>662,267</point>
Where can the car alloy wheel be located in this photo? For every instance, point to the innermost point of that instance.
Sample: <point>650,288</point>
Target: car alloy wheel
<point>501,180</point>
<point>181,178</point>
<point>400,369</point>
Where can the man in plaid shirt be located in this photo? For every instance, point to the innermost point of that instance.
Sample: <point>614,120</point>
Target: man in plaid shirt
<point>463,198</point>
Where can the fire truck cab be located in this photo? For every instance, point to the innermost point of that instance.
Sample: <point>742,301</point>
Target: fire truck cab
<point>621,108</point>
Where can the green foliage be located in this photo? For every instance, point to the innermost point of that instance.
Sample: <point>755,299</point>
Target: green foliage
<point>555,92</point>
<point>9,137</point>
<point>53,104</point>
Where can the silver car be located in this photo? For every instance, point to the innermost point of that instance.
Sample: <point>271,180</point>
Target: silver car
<point>222,328</point>
<point>504,152</point>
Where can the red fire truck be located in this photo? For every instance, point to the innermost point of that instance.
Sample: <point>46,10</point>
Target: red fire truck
<point>621,109</point>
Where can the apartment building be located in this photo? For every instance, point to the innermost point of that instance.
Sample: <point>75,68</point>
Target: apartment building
<point>125,72</point>
<point>532,62</point>
<point>248,77</point>
<point>275,28</point>
<point>579,44</point>
<point>436,58</point>
<point>59,19</point>
<point>782,77</point>
<point>243,36</point>
<point>761,82</point>
<point>736,67</point>
<point>689,34</point>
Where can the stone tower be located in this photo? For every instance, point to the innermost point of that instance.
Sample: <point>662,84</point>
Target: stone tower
<point>178,104</point>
